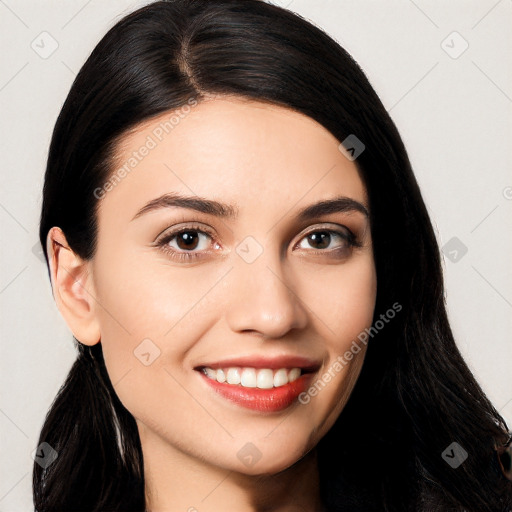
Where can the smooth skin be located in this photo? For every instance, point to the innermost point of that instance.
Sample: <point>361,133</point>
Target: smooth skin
<point>296,297</point>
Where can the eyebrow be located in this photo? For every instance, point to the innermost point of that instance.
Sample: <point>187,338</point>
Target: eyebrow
<point>338,204</point>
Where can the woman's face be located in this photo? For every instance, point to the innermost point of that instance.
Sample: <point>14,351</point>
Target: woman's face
<point>252,284</point>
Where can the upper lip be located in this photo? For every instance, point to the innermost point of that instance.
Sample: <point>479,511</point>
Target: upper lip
<point>259,361</point>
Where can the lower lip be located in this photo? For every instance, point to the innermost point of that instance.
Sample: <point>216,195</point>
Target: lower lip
<point>262,400</point>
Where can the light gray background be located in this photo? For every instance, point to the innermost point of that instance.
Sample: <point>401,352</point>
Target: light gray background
<point>454,115</point>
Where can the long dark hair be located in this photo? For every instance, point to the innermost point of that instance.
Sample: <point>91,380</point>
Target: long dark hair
<point>415,395</point>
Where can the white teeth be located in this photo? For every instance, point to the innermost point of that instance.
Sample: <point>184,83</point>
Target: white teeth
<point>293,374</point>
<point>248,378</point>
<point>263,378</point>
<point>234,376</point>
<point>211,373</point>
<point>281,377</point>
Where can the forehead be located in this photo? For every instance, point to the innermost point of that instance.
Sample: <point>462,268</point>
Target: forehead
<point>240,151</point>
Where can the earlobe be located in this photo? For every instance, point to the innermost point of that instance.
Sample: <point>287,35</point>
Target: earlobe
<point>73,288</point>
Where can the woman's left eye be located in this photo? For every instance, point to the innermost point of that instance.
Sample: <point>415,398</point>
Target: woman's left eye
<point>179,244</point>
<point>324,238</point>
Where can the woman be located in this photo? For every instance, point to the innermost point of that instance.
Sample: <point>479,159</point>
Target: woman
<point>226,362</point>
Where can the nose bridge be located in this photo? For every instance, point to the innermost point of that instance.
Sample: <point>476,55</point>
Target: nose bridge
<point>263,299</point>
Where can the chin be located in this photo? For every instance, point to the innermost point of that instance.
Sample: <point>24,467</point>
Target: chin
<point>272,460</point>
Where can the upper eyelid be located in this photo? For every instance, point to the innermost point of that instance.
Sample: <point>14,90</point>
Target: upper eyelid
<point>173,232</point>
<point>199,227</point>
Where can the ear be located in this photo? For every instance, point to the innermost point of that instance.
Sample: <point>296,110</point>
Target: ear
<point>73,288</point>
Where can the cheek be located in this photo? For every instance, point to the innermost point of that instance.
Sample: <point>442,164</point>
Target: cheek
<point>143,338</point>
<point>140,301</point>
<point>347,302</point>
<point>150,317</point>
<point>345,309</point>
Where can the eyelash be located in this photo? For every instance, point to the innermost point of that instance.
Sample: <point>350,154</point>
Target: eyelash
<point>164,240</point>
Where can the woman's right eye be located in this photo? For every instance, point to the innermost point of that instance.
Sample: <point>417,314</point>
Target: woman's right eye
<point>185,241</point>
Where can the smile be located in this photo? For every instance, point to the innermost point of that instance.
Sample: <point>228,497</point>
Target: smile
<point>261,383</point>
<point>262,378</point>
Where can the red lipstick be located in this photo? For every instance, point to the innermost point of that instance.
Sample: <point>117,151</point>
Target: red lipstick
<point>262,400</point>
<point>274,399</point>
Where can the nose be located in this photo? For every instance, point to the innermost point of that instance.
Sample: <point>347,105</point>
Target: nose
<point>264,299</point>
